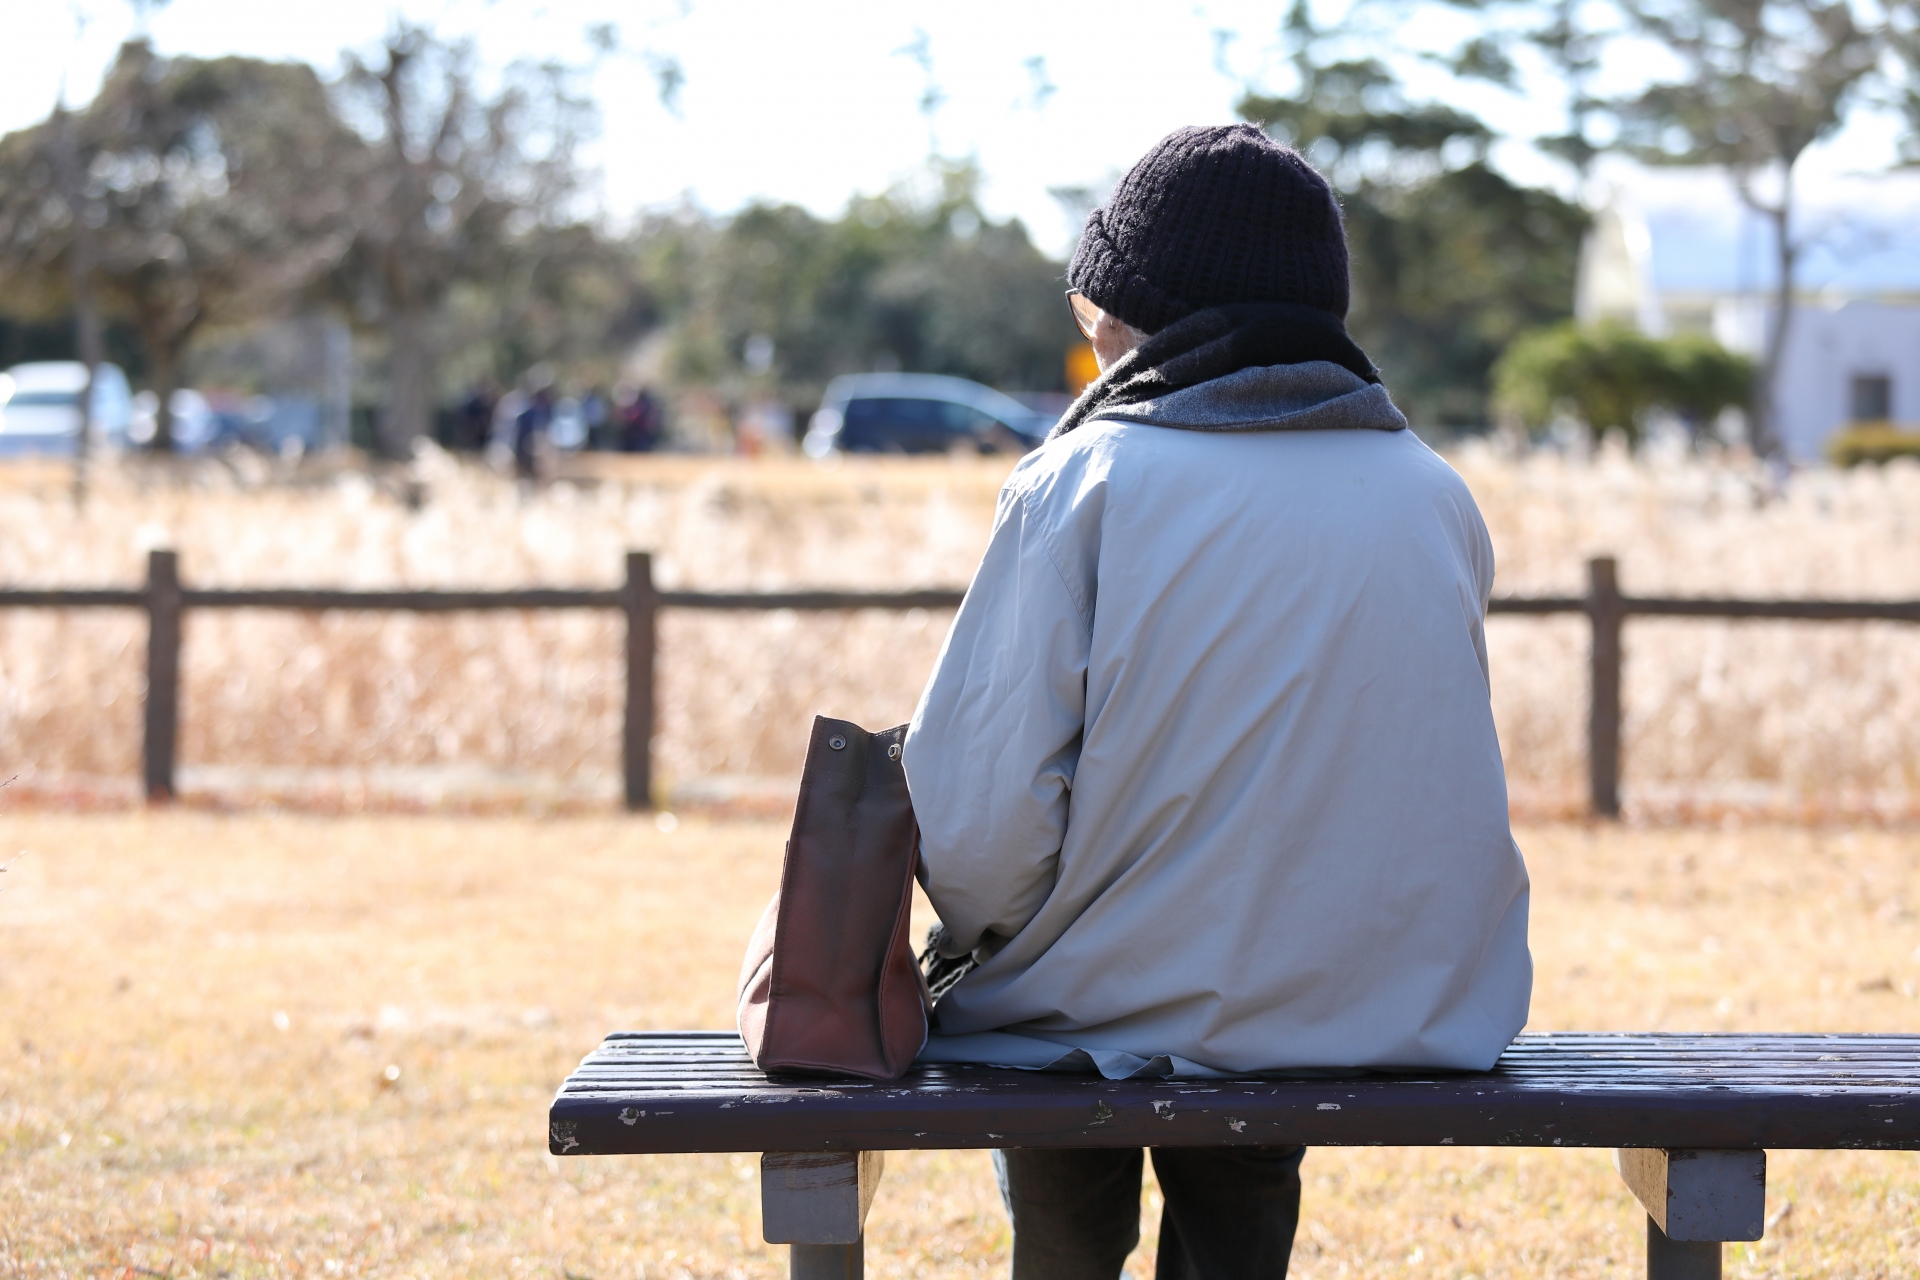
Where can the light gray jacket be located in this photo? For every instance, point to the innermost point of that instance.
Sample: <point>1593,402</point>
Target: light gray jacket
<point>1206,772</point>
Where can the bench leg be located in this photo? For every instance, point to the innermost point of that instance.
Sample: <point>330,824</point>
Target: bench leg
<point>817,1201</point>
<point>1694,1201</point>
<point>841,1262</point>
<point>1669,1259</point>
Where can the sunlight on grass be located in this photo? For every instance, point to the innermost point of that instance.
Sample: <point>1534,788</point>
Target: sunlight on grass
<point>260,1045</point>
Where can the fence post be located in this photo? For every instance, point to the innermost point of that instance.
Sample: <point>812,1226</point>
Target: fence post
<point>163,673</point>
<point>642,606</point>
<point>1605,611</point>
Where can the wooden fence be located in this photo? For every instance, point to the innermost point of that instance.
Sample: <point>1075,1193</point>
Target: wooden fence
<point>165,601</point>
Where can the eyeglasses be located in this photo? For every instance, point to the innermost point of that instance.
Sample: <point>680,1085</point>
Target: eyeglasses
<point>1086,312</point>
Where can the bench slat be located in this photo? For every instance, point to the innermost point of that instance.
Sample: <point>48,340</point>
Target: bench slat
<point>658,1092</point>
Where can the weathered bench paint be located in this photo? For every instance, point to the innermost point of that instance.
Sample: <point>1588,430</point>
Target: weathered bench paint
<point>1691,1115</point>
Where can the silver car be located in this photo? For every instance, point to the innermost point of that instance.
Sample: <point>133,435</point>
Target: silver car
<point>920,413</point>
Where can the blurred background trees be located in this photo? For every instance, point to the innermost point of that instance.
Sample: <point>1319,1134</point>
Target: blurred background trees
<point>443,211</point>
<point>1450,260</point>
<point>192,190</point>
<point>449,186</point>
<point>445,219</point>
<point>917,278</point>
<point>1752,85</point>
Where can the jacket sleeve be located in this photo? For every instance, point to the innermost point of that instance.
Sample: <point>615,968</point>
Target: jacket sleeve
<point>1480,553</point>
<point>991,751</point>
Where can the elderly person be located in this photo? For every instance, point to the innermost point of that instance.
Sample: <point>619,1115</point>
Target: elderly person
<point>1206,774</point>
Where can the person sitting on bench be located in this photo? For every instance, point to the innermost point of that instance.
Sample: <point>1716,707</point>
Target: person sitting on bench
<point>1206,774</point>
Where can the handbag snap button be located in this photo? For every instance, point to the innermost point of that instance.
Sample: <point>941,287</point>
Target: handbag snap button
<point>837,742</point>
<point>893,752</point>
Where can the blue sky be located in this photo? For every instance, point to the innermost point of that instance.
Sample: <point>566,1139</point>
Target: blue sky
<point>812,102</point>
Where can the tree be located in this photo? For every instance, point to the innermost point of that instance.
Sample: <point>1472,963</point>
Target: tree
<point>88,336</point>
<point>917,278</point>
<point>1612,377</point>
<point>48,229</point>
<point>188,191</point>
<point>453,186</point>
<point>567,296</point>
<point>1759,81</point>
<point>1450,259</point>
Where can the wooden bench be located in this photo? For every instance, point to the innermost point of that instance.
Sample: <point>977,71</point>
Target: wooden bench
<point>1691,1118</point>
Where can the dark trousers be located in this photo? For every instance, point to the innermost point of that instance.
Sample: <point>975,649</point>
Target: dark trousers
<point>1230,1211</point>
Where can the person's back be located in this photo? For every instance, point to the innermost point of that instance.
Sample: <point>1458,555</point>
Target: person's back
<point>1207,776</point>
<point>1281,838</point>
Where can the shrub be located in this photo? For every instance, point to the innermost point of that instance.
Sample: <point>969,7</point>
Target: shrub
<point>1612,377</point>
<point>1873,442</point>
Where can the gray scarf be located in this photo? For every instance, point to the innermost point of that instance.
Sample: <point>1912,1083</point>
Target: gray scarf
<point>1223,345</point>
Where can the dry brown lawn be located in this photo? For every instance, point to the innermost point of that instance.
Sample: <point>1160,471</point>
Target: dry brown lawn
<point>289,1045</point>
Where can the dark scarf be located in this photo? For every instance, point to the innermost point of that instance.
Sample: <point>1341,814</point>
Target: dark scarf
<point>1214,343</point>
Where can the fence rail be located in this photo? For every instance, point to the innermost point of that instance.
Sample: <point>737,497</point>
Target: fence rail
<point>165,601</point>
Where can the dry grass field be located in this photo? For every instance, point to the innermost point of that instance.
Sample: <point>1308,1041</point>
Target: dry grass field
<point>257,1045</point>
<point>521,711</point>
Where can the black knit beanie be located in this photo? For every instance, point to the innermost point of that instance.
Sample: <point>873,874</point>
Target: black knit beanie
<point>1210,217</point>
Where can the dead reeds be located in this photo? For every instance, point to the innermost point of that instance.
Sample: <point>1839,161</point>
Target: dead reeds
<point>1788,719</point>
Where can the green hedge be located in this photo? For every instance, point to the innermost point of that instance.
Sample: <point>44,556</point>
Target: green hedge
<point>1873,442</point>
<point>1610,376</point>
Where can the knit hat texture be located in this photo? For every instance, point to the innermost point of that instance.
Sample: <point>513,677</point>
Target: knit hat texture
<point>1212,216</point>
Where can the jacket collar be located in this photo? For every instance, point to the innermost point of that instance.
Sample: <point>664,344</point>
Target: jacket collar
<point>1315,396</point>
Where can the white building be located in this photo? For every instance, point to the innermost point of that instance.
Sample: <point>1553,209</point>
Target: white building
<point>1674,250</point>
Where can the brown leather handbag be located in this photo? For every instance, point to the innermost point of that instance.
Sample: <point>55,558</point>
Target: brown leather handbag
<point>830,983</point>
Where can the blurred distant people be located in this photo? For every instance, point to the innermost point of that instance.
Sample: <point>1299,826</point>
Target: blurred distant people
<point>566,426</point>
<point>596,418</point>
<point>473,421</point>
<point>530,429</point>
<point>637,419</point>
<point>763,426</point>
<point>506,414</point>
